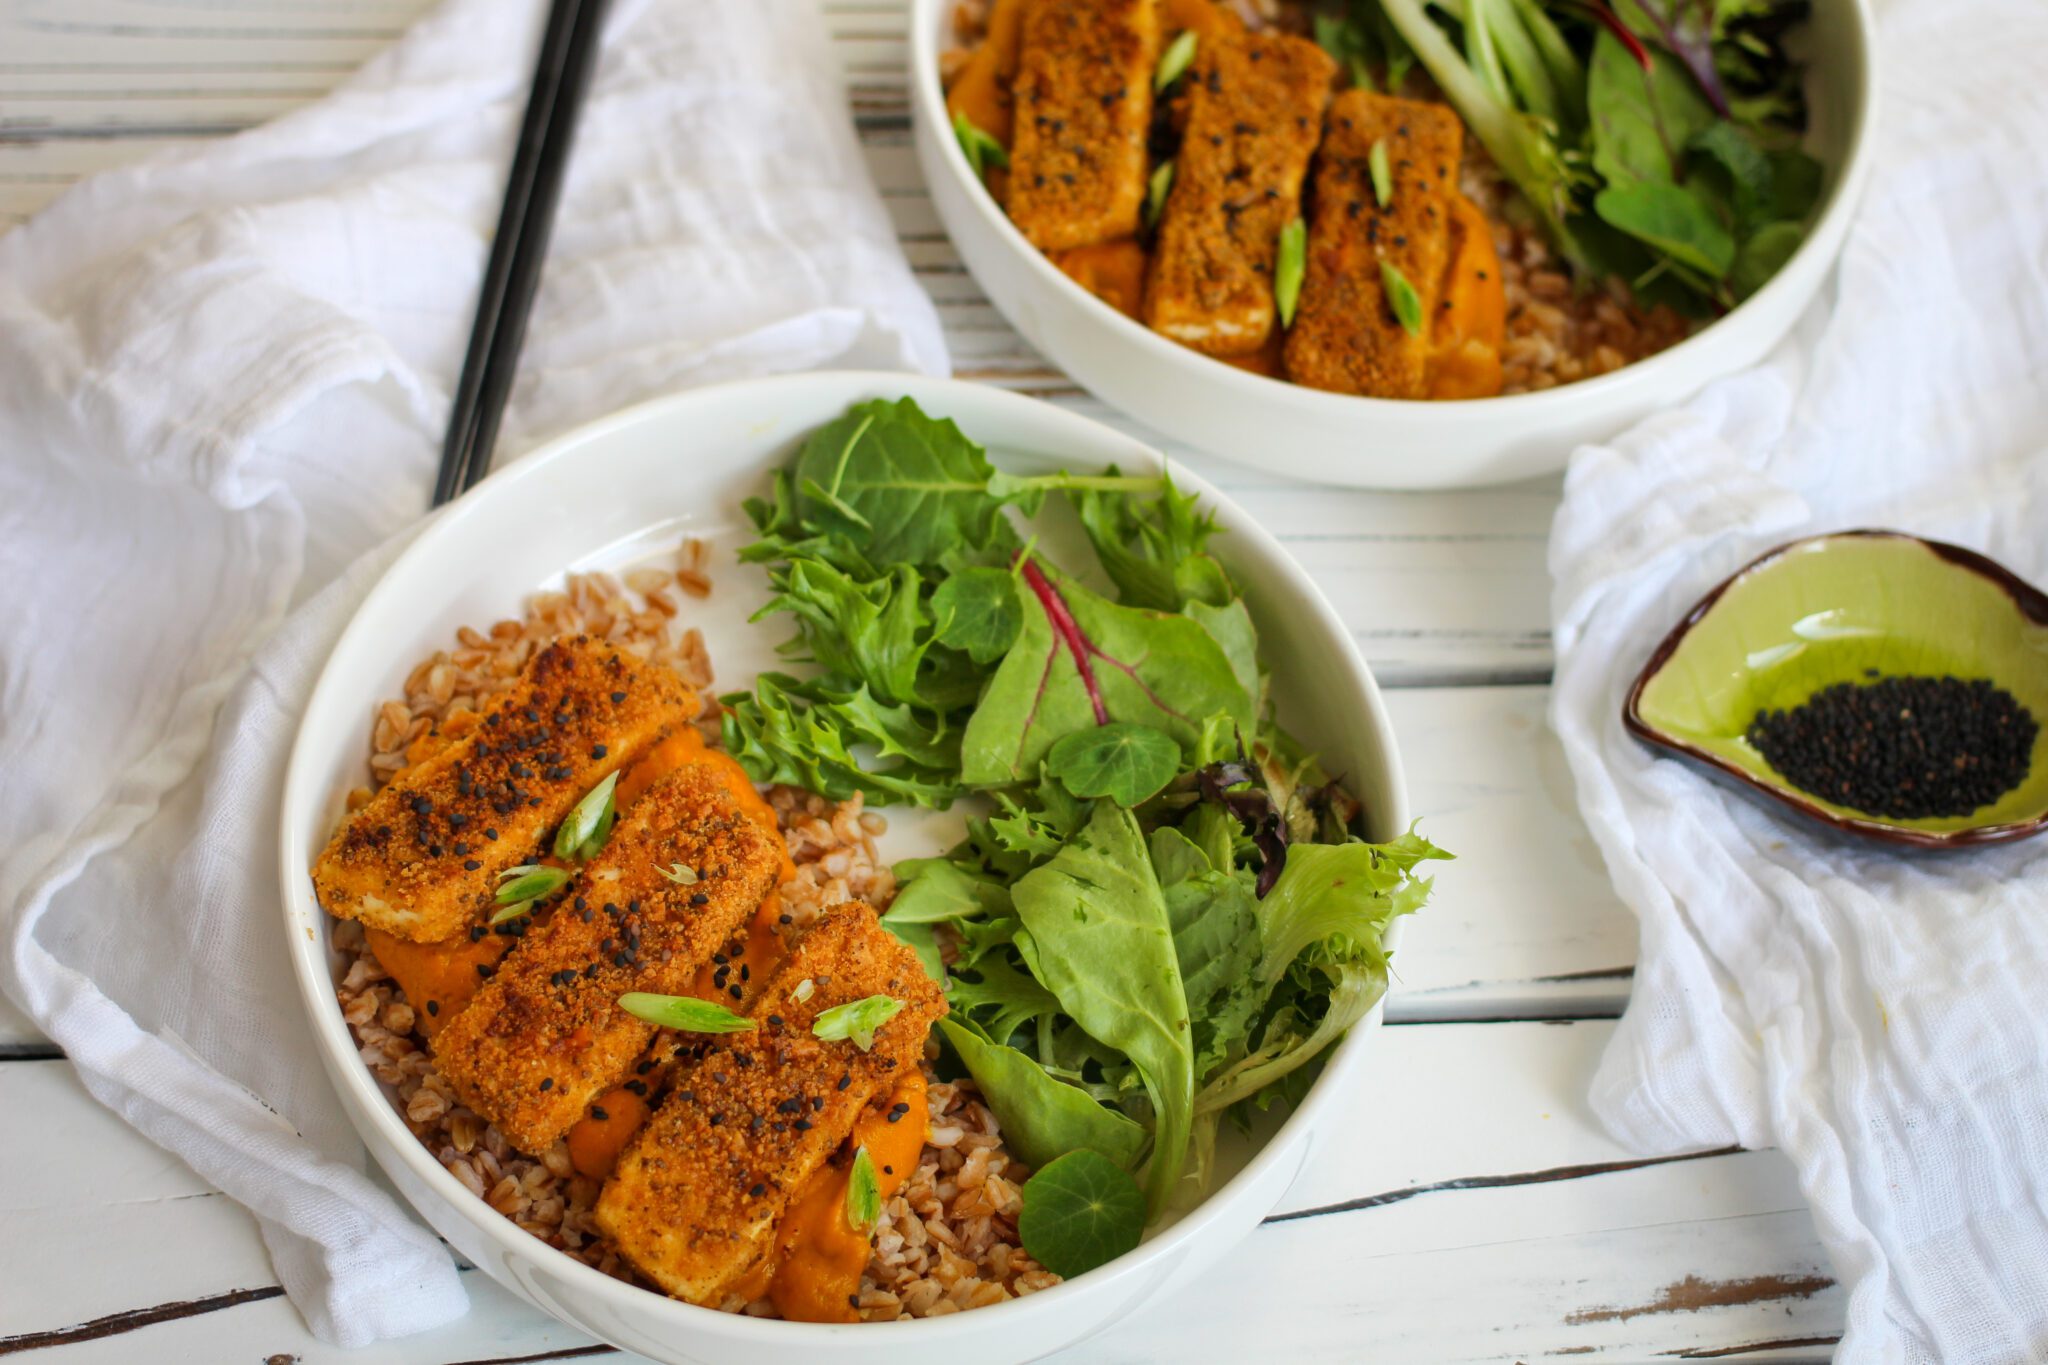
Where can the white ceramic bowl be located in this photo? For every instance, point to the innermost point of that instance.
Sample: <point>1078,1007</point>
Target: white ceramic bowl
<point>632,485</point>
<point>1376,442</point>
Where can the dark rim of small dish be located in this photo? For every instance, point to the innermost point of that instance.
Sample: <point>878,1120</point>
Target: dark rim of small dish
<point>2028,600</point>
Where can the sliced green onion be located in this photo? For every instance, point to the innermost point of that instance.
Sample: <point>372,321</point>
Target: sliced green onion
<point>863,1193</point>
<point>1402,298</point>
<point>1289,269</point>
<point>530,883</point>
<point>684,1013</point>
<point>1382,174</point>
<point>857,1020</point>
<point>1172,62</point>
<point>982,150</point>
<point>680,875</point>
<point>585,828</point>
<point>1156,190</point>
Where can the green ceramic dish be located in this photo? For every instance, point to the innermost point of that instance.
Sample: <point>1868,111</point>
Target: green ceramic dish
<point>1827,610</point>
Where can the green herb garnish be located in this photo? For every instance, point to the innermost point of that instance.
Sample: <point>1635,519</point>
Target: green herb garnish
<point>1382,174</point>
<point>1289,269</point>
<point>1402,298</point>
<point>1080,1212</point>
<point>524,887</point>
<point>684,1013</point>
<point>1174,60</point>
<point>1156,190</point>
<point>863,1192</point>
<point>982,150</point>
<point>586,827</point>
<point>856,1020</point>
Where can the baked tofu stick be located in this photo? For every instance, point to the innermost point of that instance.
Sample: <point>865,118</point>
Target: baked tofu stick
<point>1082,105</point>
<point>421,859</point>
<point>545,1036</point>
<point>1254,111</point>
<point>694,1202</point>
<point>1346,337</point>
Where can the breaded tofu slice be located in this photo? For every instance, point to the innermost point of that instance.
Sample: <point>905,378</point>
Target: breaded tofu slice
<point>1082,105</point>
<point>1254,112</point>
<point>545,1036</point>
<point>1346,337</point>
<point>420,860</point>
<point>695,1200</point>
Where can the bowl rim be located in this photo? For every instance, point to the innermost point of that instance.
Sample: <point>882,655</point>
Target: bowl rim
<point>2030,602</point>
<point>1829,227</point>
<point>363,1099</point>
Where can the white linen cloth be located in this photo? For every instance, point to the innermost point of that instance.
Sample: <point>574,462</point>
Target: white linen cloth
<point>1879,1016</point>
<point>223,378</point>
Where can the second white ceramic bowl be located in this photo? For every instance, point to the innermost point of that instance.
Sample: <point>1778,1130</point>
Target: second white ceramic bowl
<point>1375,442</point>
<point>631,486</point>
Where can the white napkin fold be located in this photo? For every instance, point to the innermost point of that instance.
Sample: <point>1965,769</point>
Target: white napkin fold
<point>223,376</point>
<point>1879,1016</point>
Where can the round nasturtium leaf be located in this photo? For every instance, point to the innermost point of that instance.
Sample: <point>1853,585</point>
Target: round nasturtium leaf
<point>1080,1211</point>
<point>1121,761</point>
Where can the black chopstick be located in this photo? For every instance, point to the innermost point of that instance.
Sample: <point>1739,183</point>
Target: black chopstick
<point>561,77</point>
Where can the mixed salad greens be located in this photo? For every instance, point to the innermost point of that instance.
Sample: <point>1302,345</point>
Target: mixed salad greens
<point>1655,140</point>
<point>1163,913</point>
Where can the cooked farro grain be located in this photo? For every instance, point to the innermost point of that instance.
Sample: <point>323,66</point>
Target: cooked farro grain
<point>946,1242</point>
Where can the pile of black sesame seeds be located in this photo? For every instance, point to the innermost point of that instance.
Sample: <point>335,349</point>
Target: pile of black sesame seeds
<point>1902,748</point>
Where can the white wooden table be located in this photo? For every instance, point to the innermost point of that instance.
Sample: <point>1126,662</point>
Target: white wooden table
<point>1473,1211</point>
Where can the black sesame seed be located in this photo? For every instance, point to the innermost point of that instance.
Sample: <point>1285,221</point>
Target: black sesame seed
<point>643,1068</point>
<point>547,1082</point>
<point>734,992</point>
<point>433,1007</point>
<point>775,1020</point>
<point>597,751</point>
<point>597,1112</point>
<point>701,899</point>
<point>789,1106</point>
<point>803,1125</point>
<point>618,696</point>
<point>470,865</point>
<point>846,1080</point>
<point>491,834</point>
<point>486,970</point>
<point>758,1190</point>
<point>1902,748</point>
